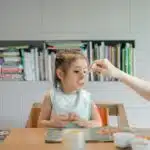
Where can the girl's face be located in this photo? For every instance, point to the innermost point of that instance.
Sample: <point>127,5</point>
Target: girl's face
<point>75,76</point>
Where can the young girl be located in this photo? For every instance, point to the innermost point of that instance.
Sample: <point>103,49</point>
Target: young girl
<point>68,105</point>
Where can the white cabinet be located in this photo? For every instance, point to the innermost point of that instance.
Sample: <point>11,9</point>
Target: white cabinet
<point>37,19</point>
<point>140,16</point>
<point>85,17</point>
<point>20,19</point>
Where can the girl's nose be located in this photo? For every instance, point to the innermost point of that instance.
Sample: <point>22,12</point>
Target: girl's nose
<point>83,74</point>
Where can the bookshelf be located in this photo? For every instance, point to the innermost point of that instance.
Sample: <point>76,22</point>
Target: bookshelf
<point>34,60</point>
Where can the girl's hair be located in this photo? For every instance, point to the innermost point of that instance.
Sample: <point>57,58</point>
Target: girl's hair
<point>64,60</point>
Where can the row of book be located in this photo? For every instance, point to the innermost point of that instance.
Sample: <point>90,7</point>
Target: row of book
<point>120,54</point>
<point>11,67</point>
<point>36,63</point>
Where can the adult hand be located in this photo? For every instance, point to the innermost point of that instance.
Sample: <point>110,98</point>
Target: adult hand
<point>105,67</point>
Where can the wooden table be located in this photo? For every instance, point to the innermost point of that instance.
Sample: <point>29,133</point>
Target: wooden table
<point>33,138</point>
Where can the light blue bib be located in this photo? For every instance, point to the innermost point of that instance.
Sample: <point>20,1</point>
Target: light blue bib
<point>79,102</point>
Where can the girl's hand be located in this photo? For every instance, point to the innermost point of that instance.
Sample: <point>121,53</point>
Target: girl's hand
<point>73,116</point>
<point>59,121</point>
<point>81,122</point>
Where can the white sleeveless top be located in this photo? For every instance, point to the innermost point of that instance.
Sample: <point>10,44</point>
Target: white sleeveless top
<point>78,102</point>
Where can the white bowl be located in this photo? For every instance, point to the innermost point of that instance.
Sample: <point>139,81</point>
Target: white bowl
<point>123,139</point>
<point>140,144</point>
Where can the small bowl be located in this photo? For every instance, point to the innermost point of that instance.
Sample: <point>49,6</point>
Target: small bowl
<point>140,144</point>
<point>123,139</point>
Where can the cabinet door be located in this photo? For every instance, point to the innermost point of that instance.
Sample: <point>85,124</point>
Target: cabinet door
<point>19,19</point>
<point>140,16</point>
<point>85,16</point>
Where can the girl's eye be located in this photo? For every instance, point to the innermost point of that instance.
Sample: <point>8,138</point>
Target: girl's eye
<point>85,71</point>
<point>76,71</point>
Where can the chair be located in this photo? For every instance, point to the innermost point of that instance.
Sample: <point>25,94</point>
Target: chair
<point>34,115</point>
<point>105,109</point>
<point>113,109</point>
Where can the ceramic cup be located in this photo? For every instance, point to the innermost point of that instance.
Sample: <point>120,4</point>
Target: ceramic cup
<point>73,140</point>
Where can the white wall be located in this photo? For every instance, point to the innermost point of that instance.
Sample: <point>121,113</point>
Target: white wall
<point>16,98</point>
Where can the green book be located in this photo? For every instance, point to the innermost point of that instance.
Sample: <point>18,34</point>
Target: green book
<point>126,60</point>
<point>22,57</point>
<point>129,60</point>
<point>123,60</point>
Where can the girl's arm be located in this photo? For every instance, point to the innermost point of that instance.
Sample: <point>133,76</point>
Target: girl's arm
<point>48,120</point>
<point>44,118</point>
<point>95,118</point>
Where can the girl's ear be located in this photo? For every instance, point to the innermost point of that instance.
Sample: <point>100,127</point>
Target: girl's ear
<point>59,73</point>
